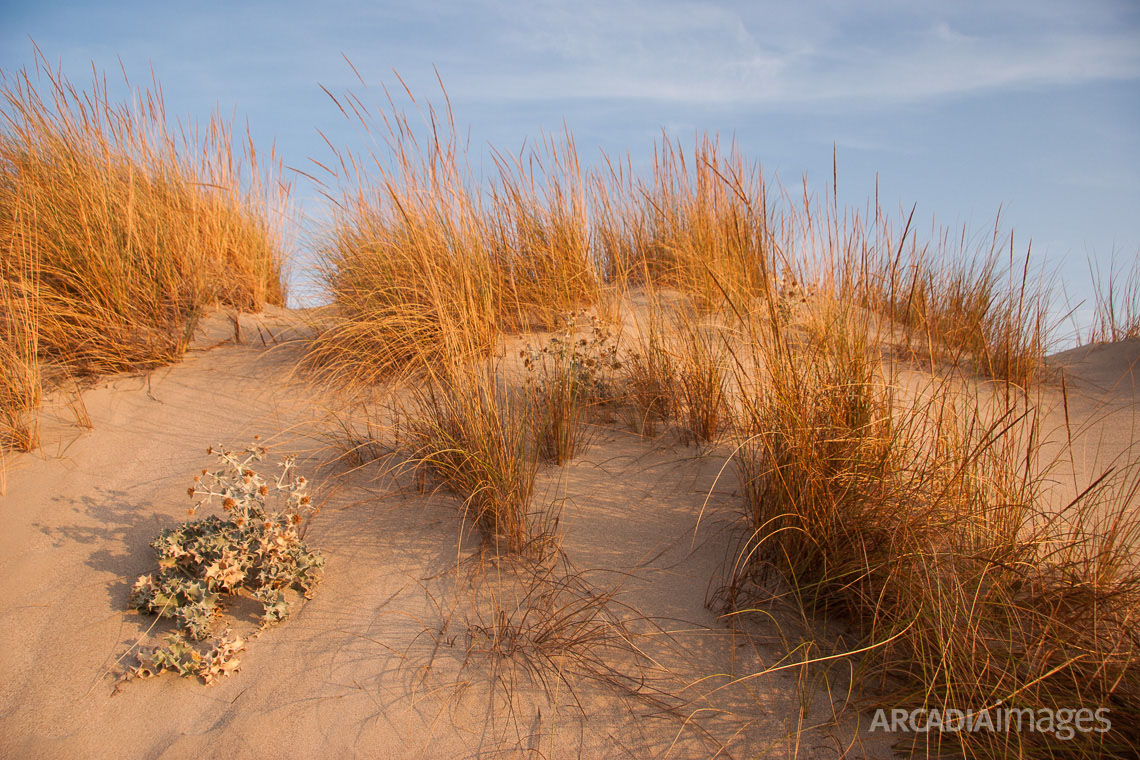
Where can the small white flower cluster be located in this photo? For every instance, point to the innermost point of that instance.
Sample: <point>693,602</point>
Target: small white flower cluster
<point>240,489</point>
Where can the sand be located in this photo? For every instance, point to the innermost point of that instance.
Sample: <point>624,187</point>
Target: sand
<point>390,657</point>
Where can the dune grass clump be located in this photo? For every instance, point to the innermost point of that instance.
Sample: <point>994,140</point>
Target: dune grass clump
<point>118,231</point>
<point>473,434</point>
<point>545,624</point>
<point>925,518</point>
<point>815,444</point>
<point>702,402</point>
<point>20,383</point>
<point>983,308</point>
<point>540,235</point>
<point>701,224</point>
<point>253,551</point>
<point>1117,305</point>
<point>423,252</point>
<point>403,288</point>
<point>997,597</point>
<point>650,382</point>
<point>674,370</point>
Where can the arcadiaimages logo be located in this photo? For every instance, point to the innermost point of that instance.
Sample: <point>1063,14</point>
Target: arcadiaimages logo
<point>1063,723</point>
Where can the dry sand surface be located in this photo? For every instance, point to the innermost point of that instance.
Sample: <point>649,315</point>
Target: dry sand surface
<point>390,657</point>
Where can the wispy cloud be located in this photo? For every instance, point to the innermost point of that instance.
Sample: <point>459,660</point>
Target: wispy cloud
<point>745,53</point>
<point>770,54</point>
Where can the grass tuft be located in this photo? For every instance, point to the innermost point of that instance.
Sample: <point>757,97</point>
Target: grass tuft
<point>1117,313</point>
<point>419,255</point>
<point>119,231</point>
<point>473,434</point>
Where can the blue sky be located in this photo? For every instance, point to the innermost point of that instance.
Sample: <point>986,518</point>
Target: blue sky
<point>957,107</point>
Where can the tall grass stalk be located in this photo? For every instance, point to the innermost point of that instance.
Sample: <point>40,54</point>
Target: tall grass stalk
<point>20,384</point>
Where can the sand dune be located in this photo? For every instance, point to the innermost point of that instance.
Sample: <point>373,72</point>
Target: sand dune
<point>375,665</point>
<point>386,660</point>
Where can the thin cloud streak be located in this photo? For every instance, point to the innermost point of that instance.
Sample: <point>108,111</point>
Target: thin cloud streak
<point>829,54</point>
<point>713,55</point>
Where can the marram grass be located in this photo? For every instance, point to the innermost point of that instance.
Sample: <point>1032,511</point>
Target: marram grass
<point>118,231</point>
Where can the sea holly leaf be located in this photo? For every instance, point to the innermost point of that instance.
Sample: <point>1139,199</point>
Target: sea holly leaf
<point>223,575</point>
<point>143,592</point>
<point>222,659</point>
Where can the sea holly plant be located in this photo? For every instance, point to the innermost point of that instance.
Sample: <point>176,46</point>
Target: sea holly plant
<point>254,550</point>
<point>585,363</point>
<point>564,377</point>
